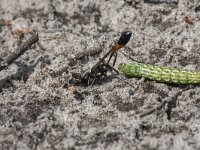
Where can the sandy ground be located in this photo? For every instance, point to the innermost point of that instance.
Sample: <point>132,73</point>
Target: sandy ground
<point>41,109</point>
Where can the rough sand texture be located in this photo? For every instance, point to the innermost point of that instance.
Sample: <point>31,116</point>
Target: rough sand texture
<point>39,109</point>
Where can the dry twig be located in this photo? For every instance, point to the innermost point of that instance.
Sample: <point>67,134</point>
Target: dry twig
<point>20,50</point>
<point>150,111</point>
<point>88,52</point>
<point>171,104</point>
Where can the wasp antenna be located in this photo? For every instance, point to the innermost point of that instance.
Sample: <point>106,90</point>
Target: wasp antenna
<point>125,37</point>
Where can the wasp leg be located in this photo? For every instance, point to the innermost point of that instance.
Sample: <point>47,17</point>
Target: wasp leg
<point>115,59</point>
<point>109,58</point>
<point>112,68</point>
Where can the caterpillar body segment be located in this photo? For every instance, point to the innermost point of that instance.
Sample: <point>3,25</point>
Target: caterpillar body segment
<point>161,74</point>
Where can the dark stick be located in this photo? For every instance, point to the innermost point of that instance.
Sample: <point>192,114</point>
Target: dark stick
<point>88,52</point>
<point>150,111</point>
<point>162,104</point>
<point>172,103</point>
<point>20,50</point>
<point>130,57</point>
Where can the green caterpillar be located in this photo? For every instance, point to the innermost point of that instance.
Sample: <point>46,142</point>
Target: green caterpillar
<point>160,74</point>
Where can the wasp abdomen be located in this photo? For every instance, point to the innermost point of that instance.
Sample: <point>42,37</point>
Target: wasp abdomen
<point>125,37</point>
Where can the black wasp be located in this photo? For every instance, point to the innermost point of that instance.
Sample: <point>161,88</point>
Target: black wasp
<point>101,68</point>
